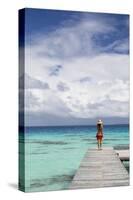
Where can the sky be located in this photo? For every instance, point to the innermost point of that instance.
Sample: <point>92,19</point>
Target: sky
<point>76,68</point>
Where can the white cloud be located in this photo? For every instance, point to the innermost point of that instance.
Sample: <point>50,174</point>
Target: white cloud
<point>105,89</point>
<point>71,40</point>
<point>28,82</point>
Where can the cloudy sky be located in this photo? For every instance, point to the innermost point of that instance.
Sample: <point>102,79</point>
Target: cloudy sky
<point>76,68</point>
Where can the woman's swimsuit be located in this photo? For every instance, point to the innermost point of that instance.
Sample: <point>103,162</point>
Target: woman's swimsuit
<point>99,135</point>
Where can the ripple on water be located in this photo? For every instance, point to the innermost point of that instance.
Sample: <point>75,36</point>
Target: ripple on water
<point>36,183</point>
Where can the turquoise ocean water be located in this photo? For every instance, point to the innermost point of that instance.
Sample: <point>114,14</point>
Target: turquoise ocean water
<point>53,154</point>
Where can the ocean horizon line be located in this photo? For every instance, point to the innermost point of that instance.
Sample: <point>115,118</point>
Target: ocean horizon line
<point>73,125</point>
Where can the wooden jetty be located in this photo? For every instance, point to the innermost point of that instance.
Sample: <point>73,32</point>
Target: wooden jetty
<point>123,154</point>
<point>100,168</point>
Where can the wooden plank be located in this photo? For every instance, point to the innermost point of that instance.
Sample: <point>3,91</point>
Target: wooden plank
<point>100,168</point>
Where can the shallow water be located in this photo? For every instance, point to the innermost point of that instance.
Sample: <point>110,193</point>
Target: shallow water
<point>53,154</point>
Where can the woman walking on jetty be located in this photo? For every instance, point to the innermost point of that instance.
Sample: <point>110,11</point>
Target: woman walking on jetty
<point>99,134</point>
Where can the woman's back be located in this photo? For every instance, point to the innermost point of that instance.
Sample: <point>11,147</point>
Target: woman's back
<point>99,127</point>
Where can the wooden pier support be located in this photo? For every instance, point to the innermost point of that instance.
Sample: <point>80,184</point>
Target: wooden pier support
<point>123,154</point>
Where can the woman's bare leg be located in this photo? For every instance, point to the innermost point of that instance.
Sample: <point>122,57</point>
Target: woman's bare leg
<point>100,144</point>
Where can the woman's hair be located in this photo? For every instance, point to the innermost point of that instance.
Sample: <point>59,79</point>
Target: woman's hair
<point>99,126</point>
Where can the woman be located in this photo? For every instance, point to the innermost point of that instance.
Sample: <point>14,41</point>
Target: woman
<point>99,135</point>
